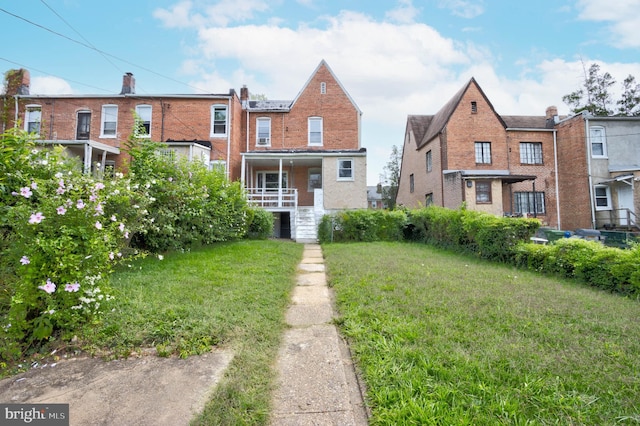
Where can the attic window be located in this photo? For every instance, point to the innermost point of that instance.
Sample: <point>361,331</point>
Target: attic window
<point>474,107</point>
<point>323,88</point>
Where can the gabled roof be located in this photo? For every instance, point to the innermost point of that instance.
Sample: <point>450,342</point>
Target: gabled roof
<point>418,124</point>
<point>527,122</point>
<point>323,63</point>
<point>441,118</point>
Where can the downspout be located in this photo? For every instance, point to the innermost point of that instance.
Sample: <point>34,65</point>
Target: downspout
<point>228,168</point>
<point>53,108</point>
<point>15,118</point>
<point>162,121</point>
<point>555,160</point>
<point>591,195</point>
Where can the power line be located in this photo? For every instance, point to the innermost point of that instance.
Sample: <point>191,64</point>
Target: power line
<point>102,52</point>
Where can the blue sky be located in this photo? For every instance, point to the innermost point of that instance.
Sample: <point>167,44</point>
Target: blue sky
<point>394,57</point>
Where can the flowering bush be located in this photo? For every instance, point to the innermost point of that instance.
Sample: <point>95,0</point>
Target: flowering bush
<point>189,204</point>
<point>68,230</point>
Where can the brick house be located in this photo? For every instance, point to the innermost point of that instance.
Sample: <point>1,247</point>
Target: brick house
<point>311,145</point>
<point>599,167</point>
<point>303,158</point>
<point>468,153</point>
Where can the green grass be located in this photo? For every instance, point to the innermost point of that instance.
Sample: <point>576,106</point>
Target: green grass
<point>231,295</point>
<point>445,339</point>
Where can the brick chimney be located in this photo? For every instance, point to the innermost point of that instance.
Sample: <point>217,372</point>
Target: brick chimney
<point>128,84</point>
<point>552,116</point>
<point>17,82</point>
<point>244,93</point>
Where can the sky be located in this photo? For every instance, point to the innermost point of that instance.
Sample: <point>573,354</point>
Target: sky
<point>394,57</point>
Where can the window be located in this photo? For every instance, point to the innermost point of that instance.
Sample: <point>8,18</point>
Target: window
<point>598,142</point>
<point>315,130</point>
<point>315,179</point>
<point>144,113</point>
<point>529,202</point>
<point>323,88</point>
<point>32,119</point>
<point>474,107</point>
<point>218,120</point>
<point>219,165</point>
<point>374,204</point>
<point>169,153</point>
<point>483,152</point>
<point>531,152</point>
<point>603,197</point>
<point>263,133</point>
<point>412,183</point>
<point>83,129</point>
<point>429,161</point>
<point>428,199</point>
<point>345,169</point>
<point>268,181</point>
<point>109,124</point>
<point>483,192</point>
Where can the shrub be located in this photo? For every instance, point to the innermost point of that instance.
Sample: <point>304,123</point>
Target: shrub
<point>260,223</point>
<point>363,225</point>
<point>67,231</point>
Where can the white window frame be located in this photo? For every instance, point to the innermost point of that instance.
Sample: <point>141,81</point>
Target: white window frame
<point>261,180</point>
<point>33,114</point>
<point>597,136</point>
<point>262,138</point>
<point>312,129</point>
<point>218,165</point>
<point>144,112</point>
<point>606,196</point>
<point>340,167</point>
<point>523,202</point>
<point>103,119</point>
<point>480,193</point>
<point>217,123</point>
<point>314,171</point>
<point>531,153</point>
<point>483,152</point>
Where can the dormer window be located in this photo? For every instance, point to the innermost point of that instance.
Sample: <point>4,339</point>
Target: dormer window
<point>474,107</point>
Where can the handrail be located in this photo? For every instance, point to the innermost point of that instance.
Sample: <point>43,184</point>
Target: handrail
<point>275,198</point>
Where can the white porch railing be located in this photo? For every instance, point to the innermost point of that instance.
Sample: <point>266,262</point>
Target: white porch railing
<point>273,198</point>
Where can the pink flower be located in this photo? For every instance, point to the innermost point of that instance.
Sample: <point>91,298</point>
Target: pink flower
<point>26,192</point>
<point>80,204</point>
<point>49,287</point>
<point>98,225</point>
<point>99,186</point>
<point>93,198</point>
<point>126,234</point>
<point>61,210</point>
<point>25,260</point>
<point>113,218</point>
<point>121,227</point>
<point>99,209</point>
<point>36,218</point>
<point>61,183</point>
<point>34,185</point>
<point>72,288</point>
<point>60,190</point>
<point>112,256</point>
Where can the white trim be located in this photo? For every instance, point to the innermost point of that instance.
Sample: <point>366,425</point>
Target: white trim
<point>102,121</point>
<point>266,141</point>
<point>309,121</point>
<point>603,141</point>
<point>226,120</point>
<point>607,189</point>
<point>353,169</point>
<point>28,111</point>
<point>144,107</point>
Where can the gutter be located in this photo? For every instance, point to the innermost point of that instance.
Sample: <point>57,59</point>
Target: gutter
<point>555,161</point>
<point>591,194</point>
<point>228,168</point>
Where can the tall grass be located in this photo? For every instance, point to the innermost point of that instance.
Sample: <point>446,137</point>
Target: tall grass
<point>446,339</point>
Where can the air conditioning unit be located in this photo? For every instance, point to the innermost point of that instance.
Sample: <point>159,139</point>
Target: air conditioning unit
<point>264,141</point>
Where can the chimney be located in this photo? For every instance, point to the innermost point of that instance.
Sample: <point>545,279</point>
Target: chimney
<point>244,93</point>
<point>552,115</point>
<point>128,84</point>
<point>17,82</point>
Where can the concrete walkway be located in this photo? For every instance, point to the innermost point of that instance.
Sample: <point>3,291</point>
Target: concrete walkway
<point>316,384</point>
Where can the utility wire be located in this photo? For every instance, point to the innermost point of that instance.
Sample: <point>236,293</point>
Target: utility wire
<point>102,52</point>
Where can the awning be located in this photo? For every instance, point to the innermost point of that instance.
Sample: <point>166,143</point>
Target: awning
<point>621,178</point>
<point>502,175</point>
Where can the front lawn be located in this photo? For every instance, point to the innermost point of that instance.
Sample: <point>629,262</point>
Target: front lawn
<point>447,339</point>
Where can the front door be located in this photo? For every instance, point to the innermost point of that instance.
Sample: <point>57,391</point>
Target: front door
<point>84,125</point>
<point>625,201</point>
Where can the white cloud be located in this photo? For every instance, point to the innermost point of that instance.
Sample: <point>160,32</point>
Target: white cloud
<point>185,13</point>
<point>49,86</point>
<point>463,8</point>
<point>623,19</point>
<point>405,13</point>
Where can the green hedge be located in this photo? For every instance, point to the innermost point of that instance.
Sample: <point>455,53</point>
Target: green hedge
<point>494,238</point>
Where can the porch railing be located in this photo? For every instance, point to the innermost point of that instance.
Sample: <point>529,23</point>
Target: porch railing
<point>273,198</point>
<point>621,218</point>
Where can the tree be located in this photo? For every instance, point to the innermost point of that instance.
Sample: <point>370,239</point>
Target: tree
<point>391,178</point>
<point>629,103</point>
<point>594,97</point>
